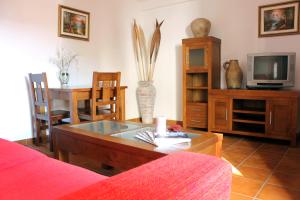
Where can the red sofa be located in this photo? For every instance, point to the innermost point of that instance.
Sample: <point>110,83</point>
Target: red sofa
<point>28,174</point>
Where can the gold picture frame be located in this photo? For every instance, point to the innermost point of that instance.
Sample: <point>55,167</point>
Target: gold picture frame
<point>73,23</point>
<point>278,19</point>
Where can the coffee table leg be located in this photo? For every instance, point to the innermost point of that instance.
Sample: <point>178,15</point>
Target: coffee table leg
<point>63,156</point>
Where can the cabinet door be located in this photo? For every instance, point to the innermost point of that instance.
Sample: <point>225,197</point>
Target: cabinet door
<point>220,114</point>
<point>196,57</point>
<point>279,117</point>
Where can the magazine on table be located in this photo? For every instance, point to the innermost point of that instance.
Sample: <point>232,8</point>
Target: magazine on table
<point>168,139</point>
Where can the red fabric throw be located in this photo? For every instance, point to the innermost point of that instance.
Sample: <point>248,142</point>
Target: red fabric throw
<point>184,176</point>
<point>30,175</point>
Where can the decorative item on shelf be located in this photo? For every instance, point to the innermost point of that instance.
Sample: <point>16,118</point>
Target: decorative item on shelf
<point>64,60</point>
<point>200,27</point>
<point>146,60</point>
<point>279,19</point>
<point>233,74</point>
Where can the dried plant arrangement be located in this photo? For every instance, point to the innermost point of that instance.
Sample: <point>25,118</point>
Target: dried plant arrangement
<point>64,59</point>
<point>146,56</point>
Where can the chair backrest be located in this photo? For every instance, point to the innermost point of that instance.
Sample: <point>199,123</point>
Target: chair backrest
<point>40,97</point>
<point>106,93</point>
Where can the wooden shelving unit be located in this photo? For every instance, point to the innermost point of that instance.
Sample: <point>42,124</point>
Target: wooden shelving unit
<point>196,87</point>
<point>251,115</point>
<point>249,121</point>
<point>201,73</point>
<point>249,112</point>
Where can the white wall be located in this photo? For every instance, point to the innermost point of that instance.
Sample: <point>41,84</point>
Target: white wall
<point>233,21</point>
<point>28,38</point>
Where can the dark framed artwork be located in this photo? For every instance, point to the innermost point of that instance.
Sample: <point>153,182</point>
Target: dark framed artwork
<point>73,23</point>
<point>278,19</point>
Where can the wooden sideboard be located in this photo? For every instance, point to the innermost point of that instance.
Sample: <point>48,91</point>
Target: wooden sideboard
<point>260,113</point>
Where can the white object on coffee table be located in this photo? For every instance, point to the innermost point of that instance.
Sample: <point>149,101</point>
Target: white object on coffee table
<point>161,125</point>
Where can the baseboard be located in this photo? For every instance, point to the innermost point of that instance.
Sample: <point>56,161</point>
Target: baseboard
<point>31,141</point>
<point>28,141</point>
<point>169,121</point>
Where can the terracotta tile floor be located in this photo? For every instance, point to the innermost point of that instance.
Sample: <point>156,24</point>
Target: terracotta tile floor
<point>266,170</point>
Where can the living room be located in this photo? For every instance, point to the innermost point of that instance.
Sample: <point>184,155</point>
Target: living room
<point>29,40</point>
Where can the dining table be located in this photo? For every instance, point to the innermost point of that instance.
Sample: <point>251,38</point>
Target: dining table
<point>74,94</point>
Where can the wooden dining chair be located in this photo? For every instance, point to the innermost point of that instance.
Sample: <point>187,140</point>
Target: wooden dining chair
<point>105,97</point>
<point>43,116</point>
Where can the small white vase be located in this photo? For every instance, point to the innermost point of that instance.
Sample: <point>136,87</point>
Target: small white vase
<point>64,78</point>
<point>146,94</point>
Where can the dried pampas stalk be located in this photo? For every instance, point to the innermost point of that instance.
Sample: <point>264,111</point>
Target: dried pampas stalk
<point>154,48</point>
<point>139,47</point>
<point>146,60</point>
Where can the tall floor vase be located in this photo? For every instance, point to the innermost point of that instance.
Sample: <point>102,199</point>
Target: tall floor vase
<point>146,93</point>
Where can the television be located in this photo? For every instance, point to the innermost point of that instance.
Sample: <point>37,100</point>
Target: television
<point>271,70</point>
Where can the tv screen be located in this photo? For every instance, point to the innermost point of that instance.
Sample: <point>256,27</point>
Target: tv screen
<point>270,68</point>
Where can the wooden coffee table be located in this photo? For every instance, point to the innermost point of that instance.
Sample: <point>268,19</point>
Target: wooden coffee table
<point>113,143</point>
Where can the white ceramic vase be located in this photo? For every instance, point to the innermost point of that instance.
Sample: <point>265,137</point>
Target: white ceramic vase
<point>64,78</point>
<point>146,94</point>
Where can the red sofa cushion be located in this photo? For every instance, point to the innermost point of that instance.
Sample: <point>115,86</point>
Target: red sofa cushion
<point>178,176</point>
<point>35,176</point>
<point>13,154</point>
<point>27,174</point>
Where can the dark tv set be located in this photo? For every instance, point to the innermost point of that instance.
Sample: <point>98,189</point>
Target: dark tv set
<point>271,70</point>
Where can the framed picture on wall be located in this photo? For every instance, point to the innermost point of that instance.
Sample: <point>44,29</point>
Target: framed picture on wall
<point>73,23</point>
<point>279,19</point>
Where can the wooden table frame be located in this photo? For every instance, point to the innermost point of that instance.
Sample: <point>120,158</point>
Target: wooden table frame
<point>75,94</point>
<point>122,153</point>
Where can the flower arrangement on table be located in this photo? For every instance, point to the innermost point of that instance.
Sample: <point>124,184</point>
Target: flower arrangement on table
<point>64,60</point>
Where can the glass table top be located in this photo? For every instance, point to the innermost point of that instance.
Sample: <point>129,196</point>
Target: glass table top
<point>130,135</point>
<point>125,130</point>
<point>106,127</point>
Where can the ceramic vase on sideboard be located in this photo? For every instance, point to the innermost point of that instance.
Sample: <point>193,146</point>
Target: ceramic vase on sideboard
<point>233,74</point>
<point>146,94</point>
